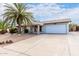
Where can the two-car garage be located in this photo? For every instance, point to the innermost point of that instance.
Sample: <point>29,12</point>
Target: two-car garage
<point>55,28</point>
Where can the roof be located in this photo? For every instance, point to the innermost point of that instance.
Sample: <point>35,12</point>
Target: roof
<point>57,21</point>
<point>37,23</point>
<point>67,20</point>
<point>49,22</point>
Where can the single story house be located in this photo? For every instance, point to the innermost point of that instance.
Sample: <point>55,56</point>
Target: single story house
<point>51,26</point>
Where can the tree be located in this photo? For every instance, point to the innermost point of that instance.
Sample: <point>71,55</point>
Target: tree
<point>15,14</point>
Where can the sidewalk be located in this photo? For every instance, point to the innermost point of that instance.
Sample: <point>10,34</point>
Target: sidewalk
<point>5,52</point>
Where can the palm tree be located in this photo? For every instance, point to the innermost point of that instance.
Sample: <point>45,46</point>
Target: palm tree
<point>16,14</point>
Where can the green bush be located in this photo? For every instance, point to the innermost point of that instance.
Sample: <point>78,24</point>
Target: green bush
<point>3,27</point>
<point>13,30</point>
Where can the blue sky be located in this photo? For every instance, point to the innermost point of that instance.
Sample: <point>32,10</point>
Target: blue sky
<point>52,11</point>
<point>69,5</point>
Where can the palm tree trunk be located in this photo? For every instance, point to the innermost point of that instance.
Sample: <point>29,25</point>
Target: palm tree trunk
<point>19,29</point>
<point>19,26</point>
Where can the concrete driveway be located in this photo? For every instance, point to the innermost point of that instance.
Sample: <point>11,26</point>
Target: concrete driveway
<point>47,45</point>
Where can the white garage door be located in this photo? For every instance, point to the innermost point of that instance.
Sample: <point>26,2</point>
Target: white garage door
<point>55,28</point>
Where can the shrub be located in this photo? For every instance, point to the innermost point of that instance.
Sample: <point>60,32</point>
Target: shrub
<point>26,31</point>
<point>13,30</point>
<point>3,27</point>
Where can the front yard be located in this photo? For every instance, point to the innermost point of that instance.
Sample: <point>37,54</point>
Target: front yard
<point>13,37</point>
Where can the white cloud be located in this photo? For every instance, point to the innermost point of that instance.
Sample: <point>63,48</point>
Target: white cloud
<point>46,10</point>
<point>72,13</point>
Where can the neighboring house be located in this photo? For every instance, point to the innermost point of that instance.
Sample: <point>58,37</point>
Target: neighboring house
<point>53,26</point>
